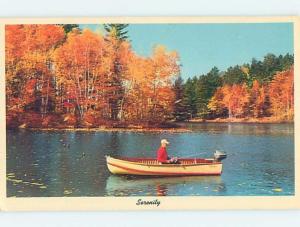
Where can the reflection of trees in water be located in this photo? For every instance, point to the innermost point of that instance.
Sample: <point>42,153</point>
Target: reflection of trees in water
<point>161,190</point>
<point>229,128</point>
<point>114,140</point>
<point>164,186</point>
<point>64,163</point>
<point>241,128</point>
<point>113,144</point>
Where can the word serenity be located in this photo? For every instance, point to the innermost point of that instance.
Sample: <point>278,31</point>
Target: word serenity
<point>147,202</point>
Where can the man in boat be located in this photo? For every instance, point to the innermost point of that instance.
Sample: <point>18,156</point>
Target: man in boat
<point>162,155</point>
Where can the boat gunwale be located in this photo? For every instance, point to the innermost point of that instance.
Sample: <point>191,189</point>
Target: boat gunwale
<point>162,164</point>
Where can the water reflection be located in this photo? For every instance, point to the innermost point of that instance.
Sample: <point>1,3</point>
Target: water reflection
<point>242,128</point>
<point>161,190</point>
<point>260,161</point>
<point>163,186</point>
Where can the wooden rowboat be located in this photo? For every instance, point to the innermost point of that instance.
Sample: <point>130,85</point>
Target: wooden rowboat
<point>151,167</point>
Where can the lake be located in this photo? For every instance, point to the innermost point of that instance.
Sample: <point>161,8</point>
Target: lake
<point>260,161</point>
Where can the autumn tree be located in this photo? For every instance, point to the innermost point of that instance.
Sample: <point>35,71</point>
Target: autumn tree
<point>281,93</point>
<point>151,94</point>
<point>134,107</point>
<point>29,66</point>
<point>235,99</point>
<point>216,104</point>
<point>165,66</point>
<point>83,69</point>
<point>257,100</point>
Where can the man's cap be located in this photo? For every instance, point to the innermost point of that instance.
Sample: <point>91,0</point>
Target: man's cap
<point>164,141</point>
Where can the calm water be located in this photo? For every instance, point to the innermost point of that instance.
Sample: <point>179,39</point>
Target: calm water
<point>260,161</point>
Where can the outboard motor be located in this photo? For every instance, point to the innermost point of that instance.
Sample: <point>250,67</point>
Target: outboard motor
<point>219,156</point>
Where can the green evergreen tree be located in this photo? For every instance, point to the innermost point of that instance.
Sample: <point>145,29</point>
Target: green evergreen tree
<point>263,71</point>
<point>204,89</point>
<point>271,65</point>
<point>69,27</point>
<point>189,98</point>
<point>180,112</point>
<point>234,75</point>
<point>286,61</point>
<point>118,32</point>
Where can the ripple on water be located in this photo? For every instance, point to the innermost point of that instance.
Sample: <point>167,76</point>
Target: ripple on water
<point>260,161</point>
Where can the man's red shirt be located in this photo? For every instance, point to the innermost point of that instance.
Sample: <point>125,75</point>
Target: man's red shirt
<point>162,155</point>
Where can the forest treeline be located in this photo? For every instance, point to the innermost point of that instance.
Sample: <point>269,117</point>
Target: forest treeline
<point>261,89</point>
<point>60,76</point>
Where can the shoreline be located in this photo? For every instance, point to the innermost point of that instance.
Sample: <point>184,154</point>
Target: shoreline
<point>242,120</point>
<point>178,129</point>
<point>103,129</point>
<point>174,127</point>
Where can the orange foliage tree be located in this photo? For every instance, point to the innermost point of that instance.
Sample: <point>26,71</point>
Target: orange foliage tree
<point>216,104</point>
<point>149,86</point>
<point>85,77</point>
<point>236,98</point>
<point>82,71</point>
<point>257,99</point>
<point>261,100</point>
<point>29,65</point>
<point>281,93</point>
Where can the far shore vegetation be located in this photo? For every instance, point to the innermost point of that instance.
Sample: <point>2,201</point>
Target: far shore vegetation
<point>62,77</point>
